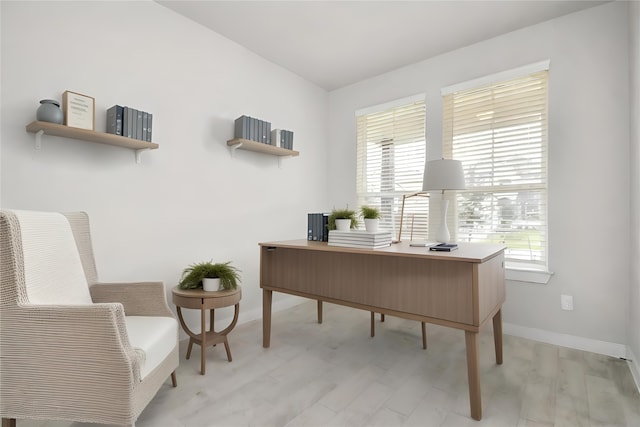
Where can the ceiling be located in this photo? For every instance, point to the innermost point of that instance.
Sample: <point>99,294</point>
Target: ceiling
<point>336,43</point>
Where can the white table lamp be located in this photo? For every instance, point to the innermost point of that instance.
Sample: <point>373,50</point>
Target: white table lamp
<point>441,175</point>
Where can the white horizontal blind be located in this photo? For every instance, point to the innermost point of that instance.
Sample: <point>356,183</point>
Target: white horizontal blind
<point>499,132</point>
<point>390,162</point>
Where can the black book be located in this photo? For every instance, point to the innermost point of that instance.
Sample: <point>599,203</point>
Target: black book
<point>114,120</point>
<point>444,247</point>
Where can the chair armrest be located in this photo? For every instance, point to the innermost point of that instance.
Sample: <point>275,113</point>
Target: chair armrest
<point>138,298</point>
<point>66,352</point>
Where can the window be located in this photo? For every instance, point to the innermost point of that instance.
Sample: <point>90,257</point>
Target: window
<point>390,162</point>
<point>499,132</point>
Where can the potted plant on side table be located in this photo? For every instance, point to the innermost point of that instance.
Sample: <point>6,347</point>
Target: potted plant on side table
<point>210,276</point>
<point>371,217</point>
<point>342,219</point>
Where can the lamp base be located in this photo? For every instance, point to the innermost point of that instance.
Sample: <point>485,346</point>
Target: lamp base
<point>443,235</point>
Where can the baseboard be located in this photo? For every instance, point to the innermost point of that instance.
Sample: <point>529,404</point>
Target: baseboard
<point>634,366</point>
<point>284,303</point>
<point>565,340</point>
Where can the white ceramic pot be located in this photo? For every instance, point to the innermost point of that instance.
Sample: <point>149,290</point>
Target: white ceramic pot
<point>371,224</point>
<point>343,224</point>
<point>211,285</point>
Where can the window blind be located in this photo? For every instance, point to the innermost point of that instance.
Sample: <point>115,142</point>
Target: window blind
<point>390,162</point>
<point>499,132</point>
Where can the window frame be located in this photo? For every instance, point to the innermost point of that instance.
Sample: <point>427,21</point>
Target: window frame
<point>387,153</point>
<point>526,271</point>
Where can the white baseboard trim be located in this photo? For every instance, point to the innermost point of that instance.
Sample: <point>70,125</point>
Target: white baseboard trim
<point>634,366</point>
<point>283,304</point>
<point>565,340</point>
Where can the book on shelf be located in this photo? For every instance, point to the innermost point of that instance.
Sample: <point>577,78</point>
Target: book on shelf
<point>242,127</point>
<point>444,247</point>
<point>275,137</point>
<point>114,120</point>
<point>145,121</point>
<point>149,122</point>
<point>139,124</point>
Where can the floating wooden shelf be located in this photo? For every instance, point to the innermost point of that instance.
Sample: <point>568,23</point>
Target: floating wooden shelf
<point>246,144</point>
<point>54,129</point>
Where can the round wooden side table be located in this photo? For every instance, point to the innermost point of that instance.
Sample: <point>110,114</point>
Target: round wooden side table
<point>204,300</point>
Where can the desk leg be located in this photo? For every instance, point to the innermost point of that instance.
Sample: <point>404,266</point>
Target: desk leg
<point>203,344</point>
<point>475,400</point>
<point>266,317</point>
<point>497,335</point>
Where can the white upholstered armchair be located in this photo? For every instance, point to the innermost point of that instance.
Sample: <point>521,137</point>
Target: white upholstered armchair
<point>72,348</point>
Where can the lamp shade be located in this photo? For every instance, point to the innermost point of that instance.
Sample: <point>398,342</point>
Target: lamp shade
<point>443,174</point>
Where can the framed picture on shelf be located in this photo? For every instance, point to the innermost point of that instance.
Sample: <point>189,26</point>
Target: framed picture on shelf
<point>79,110</point>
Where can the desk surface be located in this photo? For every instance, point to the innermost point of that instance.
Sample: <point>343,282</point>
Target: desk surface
<point>466,252</point>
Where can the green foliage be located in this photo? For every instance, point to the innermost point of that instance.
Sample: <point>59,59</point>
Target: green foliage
<point>342,214</point>
<point>192,276</point>
<point>369,212</point>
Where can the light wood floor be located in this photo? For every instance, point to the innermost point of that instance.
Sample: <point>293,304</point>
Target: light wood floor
<point>335,374</point>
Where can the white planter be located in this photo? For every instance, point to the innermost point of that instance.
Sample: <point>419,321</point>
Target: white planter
<point>371,224</point>
<point>211,285</point>
<point>343,224</point>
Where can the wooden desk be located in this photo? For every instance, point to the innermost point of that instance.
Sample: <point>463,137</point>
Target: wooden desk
<point>462,289</point>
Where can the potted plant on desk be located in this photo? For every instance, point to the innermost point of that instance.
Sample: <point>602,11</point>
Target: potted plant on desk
<point>210,276</point>
<point>371,217</point>
<point>342,219</point>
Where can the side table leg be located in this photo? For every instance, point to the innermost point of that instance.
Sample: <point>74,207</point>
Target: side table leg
<point>226,347</point>
<point>266,317</point>
<point>189,348</point>
<point>203,343</point>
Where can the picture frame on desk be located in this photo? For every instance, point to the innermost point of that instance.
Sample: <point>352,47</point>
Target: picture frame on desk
<point>79,110</point>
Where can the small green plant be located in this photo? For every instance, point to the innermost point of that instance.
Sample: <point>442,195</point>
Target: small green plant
<point>342,214</point>
<point>369,212</point>
<point>192,276</point>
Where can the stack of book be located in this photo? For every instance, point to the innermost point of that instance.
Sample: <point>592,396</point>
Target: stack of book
<point>317,227</point>
<point>252,129</point>
<point>282,138</point>
<point>360,239</point>
<point>129,122</point>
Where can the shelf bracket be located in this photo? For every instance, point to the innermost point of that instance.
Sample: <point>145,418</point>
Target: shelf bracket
<point>138,154</point>
<point>233,149</point>
<point>39,139</point>
<point>280,160</point>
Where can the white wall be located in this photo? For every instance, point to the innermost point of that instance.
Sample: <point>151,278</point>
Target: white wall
<point>588,163</point>
<point>634,297</point>
<point>188,201</point>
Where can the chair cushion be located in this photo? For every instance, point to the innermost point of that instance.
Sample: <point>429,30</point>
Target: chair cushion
<point>52,266</point>
<point>153,338</point>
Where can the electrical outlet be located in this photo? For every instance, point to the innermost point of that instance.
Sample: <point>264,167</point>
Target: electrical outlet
<point>566,302</point>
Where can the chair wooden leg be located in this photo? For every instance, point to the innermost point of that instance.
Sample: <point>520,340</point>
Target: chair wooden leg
<point>174,379</point>
<point>424,336</point>
<point>382,317</point>
<point>319,311</point>
<point>8,422</point>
